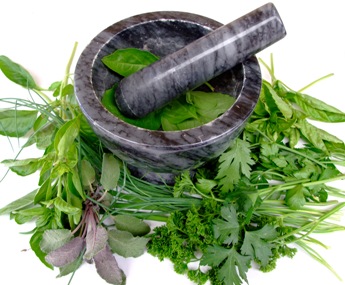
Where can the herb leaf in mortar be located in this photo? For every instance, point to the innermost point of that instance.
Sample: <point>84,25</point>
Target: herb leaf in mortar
<point>189,111</point>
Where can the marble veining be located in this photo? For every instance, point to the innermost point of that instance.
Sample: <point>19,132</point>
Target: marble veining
<point>198,62</point>
<point>157,153</point>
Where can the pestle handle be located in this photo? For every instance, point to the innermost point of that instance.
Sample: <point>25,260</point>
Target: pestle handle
<point>154,86</point>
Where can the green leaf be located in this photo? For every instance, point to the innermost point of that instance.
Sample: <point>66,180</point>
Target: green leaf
<point>35,241</point>
<point>24,167</point>
<point>53,239</point>
<point>128,61</point>
<point>16,73</point>
<point>227,230</point>
<point>70,267</point>
<point>214,255</point>
<point>110,171</point>
<point>125,244</point>
<point>295,198</point>
<point>255,244</point>
<point>108,268</point>
<point>16,123</point>
<point>96,240</point>
<point>273,99</point>
<point>18,204</point>
<point>131,224</point>
<point>65,207</point>
<point>205,185</point>
<point>75,179</point>
<point>234,163</point>
<point>316,109</point>
<point>88,174</point>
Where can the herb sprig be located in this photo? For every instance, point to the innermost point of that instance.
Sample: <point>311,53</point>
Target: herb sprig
<point>268,192</point>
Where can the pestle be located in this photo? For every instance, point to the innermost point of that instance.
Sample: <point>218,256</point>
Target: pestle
<point>209,56</point>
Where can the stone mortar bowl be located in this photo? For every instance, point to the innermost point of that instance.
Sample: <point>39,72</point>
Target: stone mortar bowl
<point>157,155</point>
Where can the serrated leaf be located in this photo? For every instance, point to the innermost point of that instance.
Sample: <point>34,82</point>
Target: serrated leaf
<point>19,203</point>
<point>214,255</point>
<point>67,253</point>
<point>16,73</point>
<point>205,185</point>
<point>16,123</point>
<point>125,244</point>
<point>131,224</point>
<point>234,163</point>
<point>108,268</point>
<point>96,239</point>
<point>256,245</point>
<point>53,239</point>
<point>110,171</point>
<point>227,230</point>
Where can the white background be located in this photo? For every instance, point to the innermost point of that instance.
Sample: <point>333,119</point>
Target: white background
<point>40,35</point>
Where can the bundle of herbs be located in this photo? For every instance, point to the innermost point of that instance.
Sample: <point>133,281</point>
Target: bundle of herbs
<point>267,193</point>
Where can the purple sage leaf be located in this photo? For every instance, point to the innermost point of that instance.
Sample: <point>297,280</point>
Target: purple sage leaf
<point>96,240</point>
<point>67,253</point>
<point>108,268</point>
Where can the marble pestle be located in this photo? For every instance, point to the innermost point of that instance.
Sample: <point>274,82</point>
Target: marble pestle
<point>209,56</point>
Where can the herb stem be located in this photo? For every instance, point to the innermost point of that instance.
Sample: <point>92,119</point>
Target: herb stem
<point>314,82</point>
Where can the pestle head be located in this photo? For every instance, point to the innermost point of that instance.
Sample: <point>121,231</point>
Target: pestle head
<point>156,85</point>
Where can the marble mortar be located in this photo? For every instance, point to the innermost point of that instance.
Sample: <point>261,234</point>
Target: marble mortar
<point>157,155</point>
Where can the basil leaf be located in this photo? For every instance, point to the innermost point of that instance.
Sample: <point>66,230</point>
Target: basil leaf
<point>24,167</point>
<point>16,73</point>
<point>128,61</point>
<point>16,123</point>
<point>35,246</point>
<point>20,203</point>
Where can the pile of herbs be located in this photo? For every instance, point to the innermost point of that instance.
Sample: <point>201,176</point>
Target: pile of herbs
<point>267,193</point>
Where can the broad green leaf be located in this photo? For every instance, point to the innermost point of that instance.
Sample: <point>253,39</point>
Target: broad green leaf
<point>88,174</point>
<point>16,123</point>
<point>16,73</point>
<point>110,171</point>
<point>67,253</point>
<point>23,216</point>
<point>108,268</point>
<point>227,229</point>
<point>35,241</point>
<point>295,198</point>
<point>131,224</point>
<point>256,245</point>
<point>53,239</point>
<point>316,109</point>
<point>24,167</point>
<point>96,240</point>
<point>128,61</point>
<point>125,244</point>
<point>214,255</point>
<point>18,204</point>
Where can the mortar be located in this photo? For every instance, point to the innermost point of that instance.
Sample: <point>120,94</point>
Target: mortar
<point>157,155</point>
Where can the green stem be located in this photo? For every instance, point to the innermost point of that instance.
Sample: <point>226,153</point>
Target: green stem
<point>314,82</point>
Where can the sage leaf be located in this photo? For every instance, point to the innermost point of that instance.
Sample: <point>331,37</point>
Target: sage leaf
<point>88,174</point>
<point>18,204</point>
<point>128,61</point>
<point>16,73</point>
<point>110,171</point>
<point>24,167</point>
<point>96,239</point>
<point>70,267</point>
<point>108,268</point>
<point>16,123</point>
<point>125,244</point>
<point>131,224</point>
<point>53,239</point>
<point>67,253</point>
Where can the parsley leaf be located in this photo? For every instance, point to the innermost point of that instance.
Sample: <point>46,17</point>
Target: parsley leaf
<point>233,163</point>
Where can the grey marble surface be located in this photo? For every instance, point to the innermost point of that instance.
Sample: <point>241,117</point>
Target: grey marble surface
<point>207,57</point>
<point>157,152</point>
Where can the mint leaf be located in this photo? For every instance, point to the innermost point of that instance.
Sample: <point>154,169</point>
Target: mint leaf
<point>256,246</point>
<point>131,224</point>
<point>234,163</point>
<point>227,230</point>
